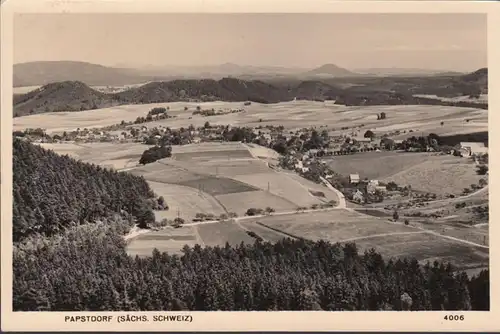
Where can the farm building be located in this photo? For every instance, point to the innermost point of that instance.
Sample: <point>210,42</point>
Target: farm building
<point>358,197</point>
<point>472,148</point>
<point>354,178</point>
<point>362,140</point>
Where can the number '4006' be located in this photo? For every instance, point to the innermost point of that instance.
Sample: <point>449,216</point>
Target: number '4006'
<point>454,317</point>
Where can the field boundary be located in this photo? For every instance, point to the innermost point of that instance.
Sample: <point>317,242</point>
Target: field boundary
<point>289,235</point>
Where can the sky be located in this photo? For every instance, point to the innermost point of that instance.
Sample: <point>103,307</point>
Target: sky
<point>425,41</point>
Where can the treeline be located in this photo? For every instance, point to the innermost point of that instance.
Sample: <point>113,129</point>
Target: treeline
<point>88,270</point>
<point>155,153</point>
<point>452,140</point>
<point>52,192</point>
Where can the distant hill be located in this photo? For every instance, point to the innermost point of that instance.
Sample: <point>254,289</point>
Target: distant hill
<point>479,77</point>
<point>394,71</point>
<point>330,70</point>
<point>61,96</point>
<point>76,96</point>
<point>316,90</point>
<point>226,89</point>
<point>45,72</point>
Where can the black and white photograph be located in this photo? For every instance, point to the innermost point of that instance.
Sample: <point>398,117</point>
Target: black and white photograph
<point>250,162</point>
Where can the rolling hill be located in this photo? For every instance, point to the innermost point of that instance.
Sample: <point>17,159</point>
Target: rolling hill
<point>76,95</point>
<point>61,96</point>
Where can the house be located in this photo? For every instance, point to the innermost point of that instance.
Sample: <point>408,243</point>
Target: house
<point>372,185</point>
<point>358,197</point>
<point>472,148</point>
<point>362,140</point>
<point>305,169</point>
<point>354,178</point>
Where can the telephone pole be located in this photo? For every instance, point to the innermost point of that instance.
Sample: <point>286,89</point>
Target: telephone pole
<point>268,187</point>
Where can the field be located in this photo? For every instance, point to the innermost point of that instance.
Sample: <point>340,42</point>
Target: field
<point>292,115</point>
<point>428,172</point>
<point>109,155</point>
<point>242,201</point>
<point>314,188</point>
<point>265,233</point>
<point>447,176</point>
<point>390,239</point>
<point>280,184</point>
<point>334,226</point>
<point>218,234</point>
<point>185,201</point>
<point>427,247</point>
<point>169,240</point>
<point>210,155</point>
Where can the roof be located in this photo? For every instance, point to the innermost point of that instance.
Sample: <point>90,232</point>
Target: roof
<point>354,176</point>
<point>472,144</point>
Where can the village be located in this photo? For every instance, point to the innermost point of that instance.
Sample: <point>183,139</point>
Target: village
<point>306,151</point>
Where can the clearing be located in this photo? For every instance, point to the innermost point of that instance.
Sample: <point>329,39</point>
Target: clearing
<point>170,240</point>
<point>217,234</point>
<point>185,201</point>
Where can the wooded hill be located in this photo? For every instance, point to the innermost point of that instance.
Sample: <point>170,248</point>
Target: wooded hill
<point>52,192</point>
<point>77,96</point>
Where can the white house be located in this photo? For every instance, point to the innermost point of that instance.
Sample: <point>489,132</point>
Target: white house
<point>354,178</point>
<point>473,148</point>
<point>358,197</point>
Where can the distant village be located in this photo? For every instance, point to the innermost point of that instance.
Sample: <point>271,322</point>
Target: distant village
<point>305,151</point>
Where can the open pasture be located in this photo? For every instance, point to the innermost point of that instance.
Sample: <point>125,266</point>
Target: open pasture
<point>170,240</point>
<point>334,225</point>
<point>378,165</point>
<point>208,147</point>
<point>217,234</point>
<point>427,247</point>
<point>229,168</point>
<point>185,201</point>
<point>109,155</point>
<point>164,173</point>
<point>240,202</point>
<point>212,155</point>
<point>218,185</point>
<point>314,187</point>
<point>447,175</point>
<point>281,185</point>
<point>265,233</point>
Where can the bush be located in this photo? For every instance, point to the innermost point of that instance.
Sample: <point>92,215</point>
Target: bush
<point>253,212</point>
<point>395,216</point>
<point>482,169</point>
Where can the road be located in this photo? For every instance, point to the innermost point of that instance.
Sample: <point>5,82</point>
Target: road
<point>342,203</point>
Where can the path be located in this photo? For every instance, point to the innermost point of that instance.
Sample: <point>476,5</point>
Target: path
<point>134,232</point>
<point>380,235</point>
<point>342,203</point>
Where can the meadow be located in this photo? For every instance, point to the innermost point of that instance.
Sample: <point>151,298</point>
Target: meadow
<point>426,172</point>
<point>170,240</point>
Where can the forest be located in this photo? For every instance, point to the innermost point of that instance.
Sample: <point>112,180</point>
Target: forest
<point>87,269</point>
<point>69,254</point>
<point>52,192</point>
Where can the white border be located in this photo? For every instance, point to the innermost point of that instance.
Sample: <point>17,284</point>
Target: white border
<point>245,321</point>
